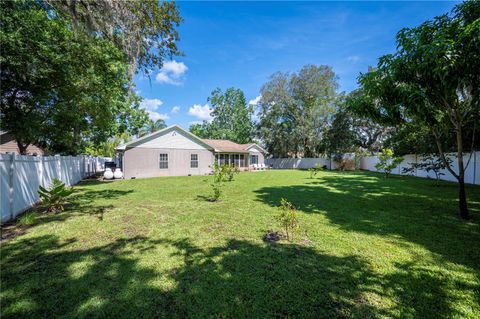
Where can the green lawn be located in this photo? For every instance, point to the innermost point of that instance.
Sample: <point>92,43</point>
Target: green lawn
<point>368,248</point>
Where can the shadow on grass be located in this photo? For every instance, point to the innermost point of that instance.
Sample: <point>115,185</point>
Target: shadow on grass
<point>45,277</point>
<point>406,207</point>
<point>238,280</point>
<point>81,202</point>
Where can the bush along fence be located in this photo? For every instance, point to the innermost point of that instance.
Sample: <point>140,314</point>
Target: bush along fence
<point>472,172</point>
<point>21,175</point>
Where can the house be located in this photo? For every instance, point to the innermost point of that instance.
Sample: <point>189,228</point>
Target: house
<point>174,151</point>
<point>9,145</point>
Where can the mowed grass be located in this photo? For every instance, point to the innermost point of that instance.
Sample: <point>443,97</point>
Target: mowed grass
<point>368,247</point>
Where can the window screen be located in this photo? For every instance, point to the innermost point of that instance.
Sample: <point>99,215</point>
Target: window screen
<point>194,160</point>
<point>164,161</point>
<point>254,159</point>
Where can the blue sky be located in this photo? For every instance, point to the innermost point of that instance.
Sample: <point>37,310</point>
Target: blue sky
<point>241,44</point>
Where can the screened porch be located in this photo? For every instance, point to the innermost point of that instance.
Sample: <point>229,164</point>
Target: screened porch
<point>235,159</point>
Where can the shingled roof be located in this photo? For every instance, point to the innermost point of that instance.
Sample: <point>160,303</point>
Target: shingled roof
<point>227,146</point>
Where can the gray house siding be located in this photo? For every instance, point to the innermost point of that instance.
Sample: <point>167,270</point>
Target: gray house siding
<point>145,162</point>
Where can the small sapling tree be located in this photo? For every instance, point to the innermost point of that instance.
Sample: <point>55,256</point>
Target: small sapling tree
<point>217,184</point>
<point>387,161</point>
<point>288,218</point>
<point>314,170</point>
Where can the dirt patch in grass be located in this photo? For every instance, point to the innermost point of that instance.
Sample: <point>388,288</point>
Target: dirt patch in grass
<point>11,230</point>
<point>273,236</point>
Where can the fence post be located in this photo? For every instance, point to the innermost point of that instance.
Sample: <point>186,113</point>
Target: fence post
<point>58,159</point>
<point>11,199</point>
<point>83,167</point>
<point>474,166</point>
<point>42,171</point>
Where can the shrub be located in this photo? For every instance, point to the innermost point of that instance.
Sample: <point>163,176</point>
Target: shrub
<point>221,174</point>
<point>314,170</point>
<point>27,219</point>
<point>346,164</point>
<point>288,217</point>
<point>55,196</point>
<point>429,162</point>
<point>387,161</point>
<point>229,172</point>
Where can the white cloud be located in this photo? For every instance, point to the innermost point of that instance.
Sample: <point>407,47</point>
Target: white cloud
<point>353,58</point>
<point>201,112</point>
<point>174,67</point>
<point>175,109</point>
<point>172,72</point>
<point>195,122</point>
<point>151,106</point>
<point>255,101</point>
<point>157,116</point>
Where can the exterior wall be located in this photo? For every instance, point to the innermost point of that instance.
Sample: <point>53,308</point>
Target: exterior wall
<point>9,145</point>
<point>256,151</point>
<point>142,162</point>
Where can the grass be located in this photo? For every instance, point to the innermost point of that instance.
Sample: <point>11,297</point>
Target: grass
<point>367,248</point>
<point>27,219</point>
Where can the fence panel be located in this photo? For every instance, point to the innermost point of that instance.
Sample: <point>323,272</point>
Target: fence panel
<point>5,160</point>
<point>22,175</point>
<point>300,163</point>
<point>472,171</point>
<point>25,182</point>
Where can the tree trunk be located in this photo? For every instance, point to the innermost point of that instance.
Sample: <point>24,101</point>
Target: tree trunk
<point>462,197</point>
<point>22,148</point>
<point>462,200</point>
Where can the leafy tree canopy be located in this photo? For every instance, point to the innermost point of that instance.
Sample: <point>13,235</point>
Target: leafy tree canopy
<point>432,81</point>
<point>61,89</point>
<point>145,31</point>
<point>295,110</point>
<point>232,117</point>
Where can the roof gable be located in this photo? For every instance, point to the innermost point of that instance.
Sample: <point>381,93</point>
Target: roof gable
<point>258,148</point>
<point>171,137</point>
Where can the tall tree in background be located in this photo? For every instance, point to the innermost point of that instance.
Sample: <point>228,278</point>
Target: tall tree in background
<point>433,80</point>
<point>295,110</point>
<point>232,117</point>
<point>152,126</point>
<point>349,133</point>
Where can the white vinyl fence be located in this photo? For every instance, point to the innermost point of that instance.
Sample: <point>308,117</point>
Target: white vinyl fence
<point>22,174</point>
<point>472,172</point>
<point>300,163</point>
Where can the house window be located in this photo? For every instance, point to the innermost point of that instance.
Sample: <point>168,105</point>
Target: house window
<point>253,159</point>
<point>194,161</point>
<point>163,161</point>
